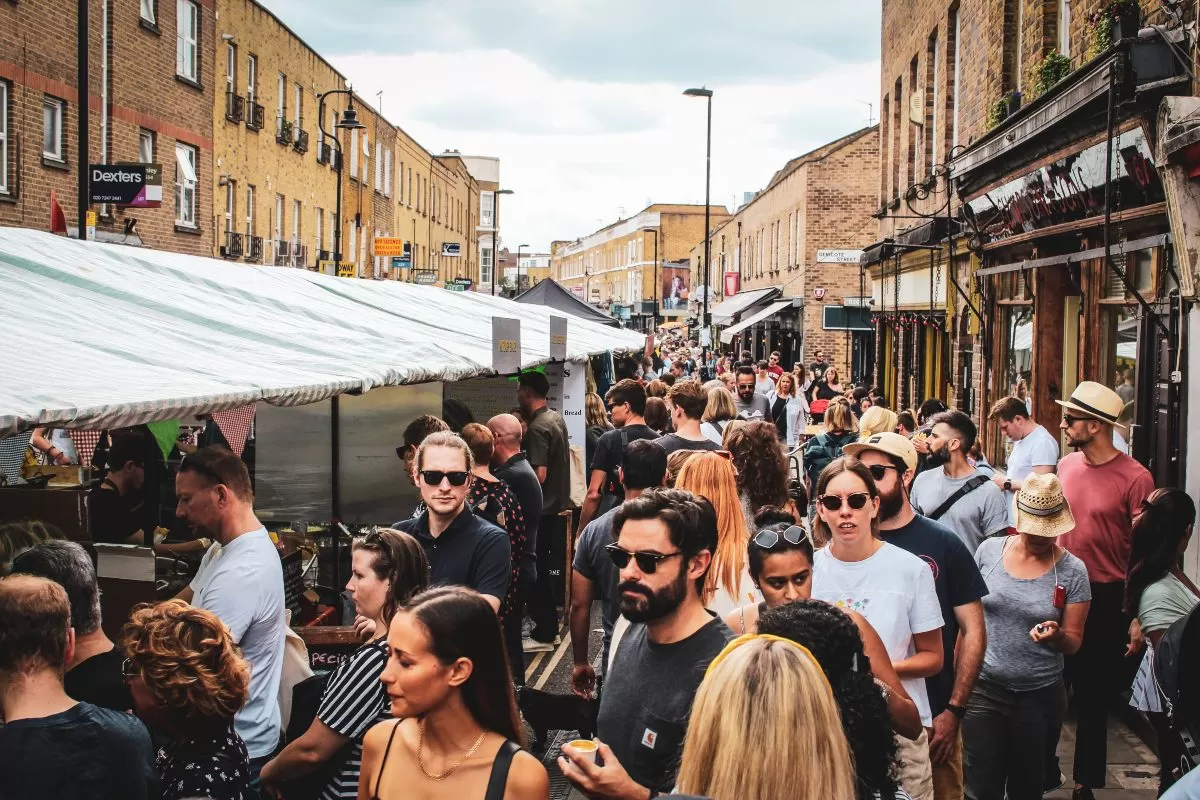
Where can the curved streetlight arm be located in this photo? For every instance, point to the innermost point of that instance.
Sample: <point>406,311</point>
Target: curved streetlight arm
<point>337,168</point>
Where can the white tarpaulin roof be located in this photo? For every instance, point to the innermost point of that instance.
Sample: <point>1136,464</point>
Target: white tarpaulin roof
<point>101,336</point>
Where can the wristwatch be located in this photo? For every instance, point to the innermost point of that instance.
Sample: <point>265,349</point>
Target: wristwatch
<point>1008,484</point>
<point>957,711</point>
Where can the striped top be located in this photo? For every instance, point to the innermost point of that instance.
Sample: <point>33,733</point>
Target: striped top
<point>354,700</point>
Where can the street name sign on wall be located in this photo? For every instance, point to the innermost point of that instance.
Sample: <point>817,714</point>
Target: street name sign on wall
<point>506,345</point>
<point>558,338</point>
<point>839,256</point>
<point>133,185</point>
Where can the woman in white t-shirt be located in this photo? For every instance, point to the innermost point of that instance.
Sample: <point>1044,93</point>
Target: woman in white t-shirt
<point>892,588</point>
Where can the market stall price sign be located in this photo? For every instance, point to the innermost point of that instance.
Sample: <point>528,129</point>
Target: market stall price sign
<point>506,345</point>
<point>389,246</point>
<point>133,185</point>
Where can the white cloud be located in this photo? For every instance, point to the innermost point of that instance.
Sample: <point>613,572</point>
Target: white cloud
<point>577,152</point>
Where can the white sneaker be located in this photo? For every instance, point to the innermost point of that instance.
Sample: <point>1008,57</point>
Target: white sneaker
<point>534,646</point>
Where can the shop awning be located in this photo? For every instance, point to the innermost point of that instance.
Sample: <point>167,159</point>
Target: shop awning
<point>758,316</point>
<point>101,336</point>
<point>1117,248</point>
<point>723,313</point>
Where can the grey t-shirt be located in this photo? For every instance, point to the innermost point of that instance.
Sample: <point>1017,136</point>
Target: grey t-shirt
<point>1013,606</point>
<point>756,409</point>
<point>976,516</point>
<point>593,563</point>
<point>647,700</point>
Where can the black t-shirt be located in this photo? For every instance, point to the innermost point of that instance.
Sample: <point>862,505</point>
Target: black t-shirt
<point>610,451</point>
<point>98,681</point>
<point>111,515</point>
<point>957,581</point>
<point>471,552</point>
<point>86,752</point>
<point>521,478</point>
<point>673,441</point>
<point>648,696</point>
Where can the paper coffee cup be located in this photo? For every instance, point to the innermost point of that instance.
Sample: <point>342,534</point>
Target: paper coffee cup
<point>585,746</point>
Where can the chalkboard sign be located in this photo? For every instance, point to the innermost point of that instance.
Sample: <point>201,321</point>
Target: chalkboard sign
<point>328,645</point>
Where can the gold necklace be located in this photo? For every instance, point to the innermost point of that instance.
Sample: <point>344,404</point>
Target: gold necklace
<point>442,775</point>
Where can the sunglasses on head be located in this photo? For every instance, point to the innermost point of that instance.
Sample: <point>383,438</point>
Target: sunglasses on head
<point>768,539</point>
<point>434,477</point>
<point>647,562</point>
<point>833,502</point>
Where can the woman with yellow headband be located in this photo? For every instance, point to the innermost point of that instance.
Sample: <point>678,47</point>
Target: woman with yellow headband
<point>765,724</point>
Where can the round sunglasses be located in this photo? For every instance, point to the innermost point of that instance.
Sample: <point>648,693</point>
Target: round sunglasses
<point>833,502</point>
<point>769,539</point>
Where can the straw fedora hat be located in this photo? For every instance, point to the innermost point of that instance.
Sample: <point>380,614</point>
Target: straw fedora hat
<point>1096,401</point>
<point>1042,509</point>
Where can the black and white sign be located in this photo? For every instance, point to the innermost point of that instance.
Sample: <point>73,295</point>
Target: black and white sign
<point>838,256</point>
<point>137,185</point>
<point>451,249</point>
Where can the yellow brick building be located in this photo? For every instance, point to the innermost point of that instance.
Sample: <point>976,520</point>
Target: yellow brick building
<point>275,171</point>
<point>615,267</point>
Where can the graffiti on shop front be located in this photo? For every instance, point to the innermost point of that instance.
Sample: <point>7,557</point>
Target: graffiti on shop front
<point>1070,189</point>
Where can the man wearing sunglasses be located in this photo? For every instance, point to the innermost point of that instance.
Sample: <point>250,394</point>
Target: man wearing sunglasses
<point>749,404</point>
<point>462,548</point>
<point>663,545</point>
<point>892,460</point>
<point>594,575</point>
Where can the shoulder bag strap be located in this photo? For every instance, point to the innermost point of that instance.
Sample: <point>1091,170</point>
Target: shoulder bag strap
<point>500,767</point>
<point>963,491</point>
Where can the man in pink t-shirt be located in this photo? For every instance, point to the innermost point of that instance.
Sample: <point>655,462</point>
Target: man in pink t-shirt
<point>1105,489</point>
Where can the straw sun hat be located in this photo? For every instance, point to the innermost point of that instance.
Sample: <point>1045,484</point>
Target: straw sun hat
<point>1042,509</point>
<point>1096,401</point>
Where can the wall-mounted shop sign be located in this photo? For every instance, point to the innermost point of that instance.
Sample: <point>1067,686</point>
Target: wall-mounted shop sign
<point>1070,189</point>
<point>135,185</point>
<point>425,277</point>
<point>451,249</point>
<point>459,285</point>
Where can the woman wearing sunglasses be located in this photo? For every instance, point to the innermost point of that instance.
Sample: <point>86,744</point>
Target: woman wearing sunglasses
<point>780,558</point>
<point>387,567</point>
<point>188,681</point>
<point>892,588</point>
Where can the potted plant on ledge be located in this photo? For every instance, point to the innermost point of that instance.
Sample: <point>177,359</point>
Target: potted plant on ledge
<point>1112,22</point>
<point>1003,107</point>
<point>1049,71</point>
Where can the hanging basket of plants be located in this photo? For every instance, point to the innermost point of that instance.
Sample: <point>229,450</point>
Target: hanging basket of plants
<point>1112,22</point>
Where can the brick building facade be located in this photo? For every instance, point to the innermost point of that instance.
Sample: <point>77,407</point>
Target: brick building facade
<point>768,251</point>
<point>615,267</point>
<point>151,89</point>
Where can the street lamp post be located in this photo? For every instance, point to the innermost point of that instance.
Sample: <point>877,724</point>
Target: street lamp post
<point>520,247</point>
<point>496,235</point>
<point>706,323</point>
<point>657,287</point>
<point>348,121</point>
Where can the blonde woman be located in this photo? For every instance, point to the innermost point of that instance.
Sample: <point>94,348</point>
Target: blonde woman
<point>719,412</point>
<point>876,419</point>
<point>765,724</point>
<point>789,409</point>
<point>596,417</point>
<point>728,584</point>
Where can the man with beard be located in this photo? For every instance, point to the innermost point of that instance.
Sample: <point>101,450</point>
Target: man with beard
<point>241,581</point>
<point>663,547</point>
<point>750,404</point>
<point>952,491</point>
<point>1105,489</point>
<point>892,460</point>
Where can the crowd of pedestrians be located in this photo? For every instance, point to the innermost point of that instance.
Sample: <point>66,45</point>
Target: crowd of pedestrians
<point>803,593</point>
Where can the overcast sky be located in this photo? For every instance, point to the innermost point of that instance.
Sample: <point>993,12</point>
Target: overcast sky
<point>581,99</point>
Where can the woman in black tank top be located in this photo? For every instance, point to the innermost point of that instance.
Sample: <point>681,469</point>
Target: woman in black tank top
<point>457,734</point>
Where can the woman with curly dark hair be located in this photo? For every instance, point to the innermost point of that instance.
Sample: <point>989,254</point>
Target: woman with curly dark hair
<point>188,680</point>
<point>762,473</point>
<point>387,568</point>
<point>834,640</point>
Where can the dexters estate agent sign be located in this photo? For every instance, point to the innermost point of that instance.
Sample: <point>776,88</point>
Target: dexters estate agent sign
<point>136,185</point>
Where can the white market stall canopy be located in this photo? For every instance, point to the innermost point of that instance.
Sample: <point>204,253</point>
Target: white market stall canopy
<point>100,336</point>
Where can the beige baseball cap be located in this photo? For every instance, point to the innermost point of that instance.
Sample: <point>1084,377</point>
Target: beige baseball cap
<point>888,443</point>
